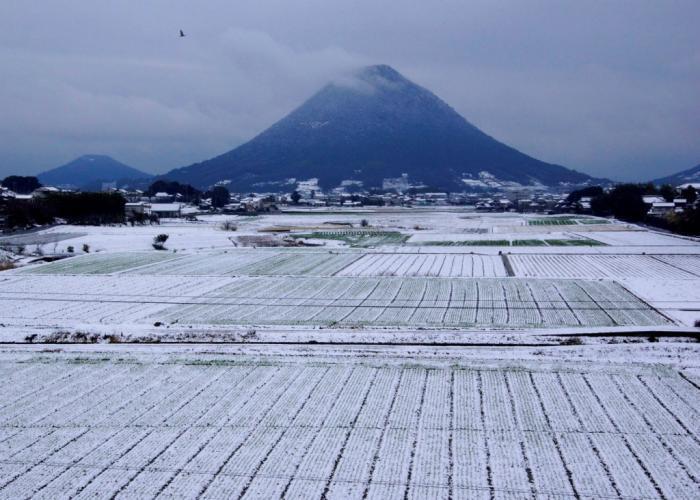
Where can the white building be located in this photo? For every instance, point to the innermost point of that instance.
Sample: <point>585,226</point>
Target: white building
<point>166,210</point>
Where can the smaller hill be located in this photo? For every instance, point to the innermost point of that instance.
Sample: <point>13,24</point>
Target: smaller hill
<point>684,177</point>
<point>90,171</point>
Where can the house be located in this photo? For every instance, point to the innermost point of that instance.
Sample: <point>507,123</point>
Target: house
<point>166,210</point>
<point>44,191</point>
<point>651,199</point>
<point>661,208</point>
<point>162,197</point>
<point>137,208</point>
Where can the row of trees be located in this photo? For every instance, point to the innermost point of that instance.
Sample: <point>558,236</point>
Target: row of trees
<point>88,207</point>
<point>74,208</point>
<point>625,202</point>
<point>21,184</point>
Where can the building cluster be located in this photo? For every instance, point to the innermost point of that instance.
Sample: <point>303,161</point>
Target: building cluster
<point>142,206</point>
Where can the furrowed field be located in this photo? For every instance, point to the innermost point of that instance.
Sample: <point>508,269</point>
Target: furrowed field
<point>384,354</point>
<point>391,301</point>
<point>117,425</point>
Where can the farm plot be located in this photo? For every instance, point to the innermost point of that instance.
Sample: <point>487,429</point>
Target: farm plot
<point>299,263</point>
<point>113,425</point>
<point>437,302</point>
<point>203,264</point>
<point>564,220</point>
<point>234,262</point>
<point>687,263</point>
<point>101,263</point>
<point>633,238</point>
<point>359,238</point>
<point>439,265</point>
<point>596,266</point>
<point>321,301</point>
<point>94,299</point>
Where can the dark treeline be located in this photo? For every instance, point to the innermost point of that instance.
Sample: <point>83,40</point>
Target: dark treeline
<point>21,184</point>
<point>219,196</point>
<point>625,202</point>
<point>74,208</point>
<point>188,193</point>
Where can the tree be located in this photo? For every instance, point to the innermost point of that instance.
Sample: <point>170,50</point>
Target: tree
<point>187,192</point>
<point>159,241</point>
<point>295,197</point>
<point>590,191</point>
<point>74,208</point>
<point>219,196</point>
<point>86,208</point>
<point>21,184</point>
<point>668,192</point>
<point>626,202</point>
<point>690,194</point>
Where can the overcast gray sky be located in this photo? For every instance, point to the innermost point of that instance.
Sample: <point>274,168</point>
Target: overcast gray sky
<point>611,88</point>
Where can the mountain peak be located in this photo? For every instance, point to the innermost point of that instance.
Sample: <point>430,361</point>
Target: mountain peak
<point>94,157</point>
<point>384,71</point>
<point>374,126</point>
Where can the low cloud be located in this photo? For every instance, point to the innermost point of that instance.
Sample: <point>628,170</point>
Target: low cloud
<point>218,96</point>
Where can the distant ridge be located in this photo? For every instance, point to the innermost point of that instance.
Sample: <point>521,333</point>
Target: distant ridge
<point>90,171</point>
<point>691,175</point>
<point>376,125</point>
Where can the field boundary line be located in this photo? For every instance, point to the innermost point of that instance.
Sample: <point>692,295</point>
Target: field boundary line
<point>414,444</point>
<point>629,447</point>
<point>277,441</point>
<point>385,426</point>
<point>654,433</point>
<point>176,472</point>
<point>646,303</point>
<point>228,458</point>
<point>656,258</point>
<point>523,449</point>
<point>508,266</point>
<point>336,399</point>
<point>351,427</point>
<point>482,421</point>
<point>594,448</point>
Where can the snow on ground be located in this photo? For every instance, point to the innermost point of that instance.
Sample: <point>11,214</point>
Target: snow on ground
<point>182,236</point>
<point>638,238</point>
<point>427,237</point>
<point>248,287</point>
<point>252,423</point>
<point>606,266</point>
<point>557,413</point>
<point>205,280</point>
<point>678,298</point>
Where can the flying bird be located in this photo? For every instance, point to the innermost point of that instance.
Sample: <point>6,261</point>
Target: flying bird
<point>182,34</point>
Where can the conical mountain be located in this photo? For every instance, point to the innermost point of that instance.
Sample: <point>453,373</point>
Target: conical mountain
<point>373,126</point>
<point>88,171</point>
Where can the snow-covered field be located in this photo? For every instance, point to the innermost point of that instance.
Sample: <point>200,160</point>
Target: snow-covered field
<point>327,301</point>
<point>442,265</point>
<point>205,279</point>
<point>607,266</point>
<point>123,423</point>
<point>338,372</point>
